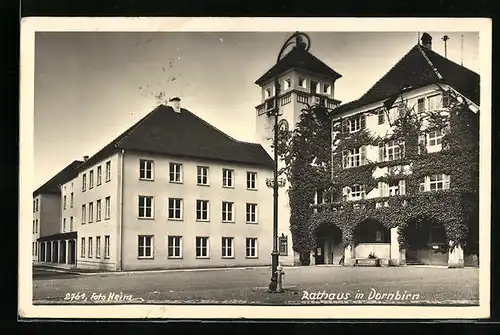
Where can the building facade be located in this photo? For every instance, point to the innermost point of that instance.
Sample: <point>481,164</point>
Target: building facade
<point>406,169</point>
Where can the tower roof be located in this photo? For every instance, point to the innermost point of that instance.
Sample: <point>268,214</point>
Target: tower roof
<point>420,67</point>
<point>301,59</point>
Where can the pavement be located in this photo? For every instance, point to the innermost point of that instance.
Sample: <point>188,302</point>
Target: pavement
<point>410,285</point>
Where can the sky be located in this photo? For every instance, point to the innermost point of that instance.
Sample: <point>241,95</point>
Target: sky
<point>92,86</point>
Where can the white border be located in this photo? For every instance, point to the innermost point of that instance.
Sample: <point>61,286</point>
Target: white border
<point>30,25</point>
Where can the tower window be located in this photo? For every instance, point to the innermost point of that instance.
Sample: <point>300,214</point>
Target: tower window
<point>287,84</point>
<point>302,82</point>
<point>314,87</point>
<point>327,89</point>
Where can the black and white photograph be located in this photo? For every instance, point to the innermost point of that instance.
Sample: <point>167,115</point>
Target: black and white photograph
<point>260,168</point>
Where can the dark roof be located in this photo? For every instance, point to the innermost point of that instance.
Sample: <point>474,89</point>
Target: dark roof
<point>301,59</point>
<point>184,134</point>
<point>420,67</point>
<point>65,175</point>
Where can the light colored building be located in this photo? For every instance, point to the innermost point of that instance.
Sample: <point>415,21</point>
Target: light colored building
<point>304,80</point>
<point>50,243</point>
<point>171,192</point>
<point>422,83</point>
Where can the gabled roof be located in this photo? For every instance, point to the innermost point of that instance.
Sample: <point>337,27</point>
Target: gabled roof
<point>301,59</point>
<point>420,67</point>
<point>65,175</point>
<point>164,131</point>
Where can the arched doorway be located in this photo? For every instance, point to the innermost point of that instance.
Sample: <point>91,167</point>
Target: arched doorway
<point>425,242</point>
<point>371,237</point>
<point>329,248</point>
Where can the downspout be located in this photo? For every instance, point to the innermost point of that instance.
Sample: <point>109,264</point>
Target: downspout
<point>120,215</point>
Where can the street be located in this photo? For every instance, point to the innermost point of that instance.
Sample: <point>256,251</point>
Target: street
<point>303,285</point>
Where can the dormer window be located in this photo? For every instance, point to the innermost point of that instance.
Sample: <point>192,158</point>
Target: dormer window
<point>354,124</point>
<point>302,82</point>
<point>287,84</point>
<point>327,89</point>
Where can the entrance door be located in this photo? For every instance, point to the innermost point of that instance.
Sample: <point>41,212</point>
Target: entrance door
<point>320,253</point>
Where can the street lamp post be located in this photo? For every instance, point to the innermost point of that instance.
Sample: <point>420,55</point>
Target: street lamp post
<point>275,183</point>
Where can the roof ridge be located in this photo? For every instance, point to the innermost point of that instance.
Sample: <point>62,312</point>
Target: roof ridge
<point>73,165</point>
<point>429,62</point>
<point>130,130</point>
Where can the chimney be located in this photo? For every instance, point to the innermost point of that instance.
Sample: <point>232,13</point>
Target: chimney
<point>426,41</point>
<point>85,158</point>
<point>175,103</point>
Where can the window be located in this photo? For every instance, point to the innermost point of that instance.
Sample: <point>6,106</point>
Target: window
<point>227,178</point>
<point>251,213</point>
<point>175,173</point>
<point>98,247</point>
<point>174,247</point>
<point>91,244</point>
<point>314,87</point>
<point>64,202</point>
<point>98,210</point>
<point>435,137</point>
<point>327,89</point>
<point>71,200</point>
<point>146,169</point>
<point>34,206</point>
<point>283,245</point>
<point>106,246</point>
<point>107,208</point>
<point>99,175</point>
<point>395,188</point>
<point>36,248</point>
<point>71,223</point>
<point>145,246</point>
<point>435,182</point>
<point>227,247</point>
<point>84,182</point>
<point>83,247</point>
<point>108,171</point>
<point>175,208</point>
<point>201,210</point>
<point>354,157</point>
<point>91,179</point>
<point>202,175</point>
<point>434,102</point>
<point>252,180</point>
<point>91,212</point>
<point>84,214</point>
<point>251,247</point>
<point>269,93</point>
<point>354,124</point>
<point>227,211</point>
<point>302,82</point>
<point>391,150</point>
<point>287,83</point>
<point>36,226</point>
<point>202,250</point>
<point>355,192</point>
<point>381,116</point>
<point>64,224</point>
<point>145,207</point>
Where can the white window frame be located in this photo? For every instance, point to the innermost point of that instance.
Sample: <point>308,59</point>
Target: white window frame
<point>354,157</point>
<point>228,178</point>
<point>251,212</point>
<point>144,205</point>
<point>174,246</point>
<point>227,211</point>
<point>144,247</point>
<point>175,173</point>
<point>202,175</point>
<point>227,250</point>
<point>99,175</point>
<point>381,116</point>
<point>251,180</point>
<point>177,208</point>
<point>146,169</point>
<point>202,210</point>
<point>251,247</point>
<point>91,179</point>
<point>304,82</point>
<point>434,102</point>
<point>108,171</point>
<point>327,89</point>
<point>98,247</point>
<point>392,150</point>
<point>107,208</point>
<point>442,180</point>
<point>91,212</point>
<point>90,247</point>
<point>84,182</point>
<point>204,245</point>
<point>98,214</point>
<point>106,246</point>
<point>354,192</point>
<point>84,214</point>
<point>287,83</point>
<point>269,93</point>
<point>437,136</point>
